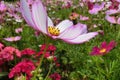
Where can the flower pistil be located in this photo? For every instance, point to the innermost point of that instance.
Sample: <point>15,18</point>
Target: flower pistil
<point>53,31</point>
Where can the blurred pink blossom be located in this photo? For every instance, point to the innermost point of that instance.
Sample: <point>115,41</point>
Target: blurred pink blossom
<point>11,39</point>
<point>18,30</point>
<point>111,19</point>
<point>3,7</point>
<point>84,18</point>
<point>96,8</point>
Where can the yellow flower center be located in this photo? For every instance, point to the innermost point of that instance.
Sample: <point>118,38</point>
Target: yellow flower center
<point>53,31</point>
<point>103,50</point>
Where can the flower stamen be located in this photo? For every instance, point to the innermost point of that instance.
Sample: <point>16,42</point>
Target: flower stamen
<point>53,31</point>
<point>102,50</point>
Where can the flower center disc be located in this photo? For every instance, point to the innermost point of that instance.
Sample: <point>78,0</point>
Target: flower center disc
<point>102,50</point>
<point>53,31</point>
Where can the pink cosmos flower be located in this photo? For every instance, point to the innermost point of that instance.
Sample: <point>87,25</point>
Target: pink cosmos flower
<point>11,39</point>
<point>84,18</point>
<point>96,8</point>
<point>104,48</point>
<point>111,19</point>
<point>118,20</point>
<point>65,30</point>
<point>18,30</point>
<point>2,6</point>
<point>112,11</point>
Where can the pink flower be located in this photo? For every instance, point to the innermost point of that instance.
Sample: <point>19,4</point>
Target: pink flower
<point>74,16</point>
<point>11,39</point>
<point>18,30</point>
<point>84,18</point>
<point>118,20</point>
<point>112,11</point>
<point>96,8</point>
<point>65,30</point>
<point>55,76</point>
<point>104,48</point>
<point>8,53</point>
<point>2,6</point>
<point>111,19</point>
<point>25,66</point>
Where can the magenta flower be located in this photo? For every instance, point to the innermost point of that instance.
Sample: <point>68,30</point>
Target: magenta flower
<point>104,48</point>
<point>96,8</point>
<point>25,66</point>
<point>55,76</point>
<point>27,51</point>
<point>65,30</point>
<point>11,39</point>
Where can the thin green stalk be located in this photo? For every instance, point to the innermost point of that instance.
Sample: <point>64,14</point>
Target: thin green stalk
<point>49,71</point>
<point>41,59</point>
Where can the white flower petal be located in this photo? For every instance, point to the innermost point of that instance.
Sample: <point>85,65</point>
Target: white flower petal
<point>50,23</point>
<point>82,38</point>
<point>39,16</point>
<point>26,13</point>
<point>73,31</point>
<point>64,25</point>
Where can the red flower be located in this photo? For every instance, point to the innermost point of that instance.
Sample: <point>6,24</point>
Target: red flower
<point>55,76</point>
<point>104,48</point>
<point>28,51</point>
<point>50,47</point>
<point>25,66</point>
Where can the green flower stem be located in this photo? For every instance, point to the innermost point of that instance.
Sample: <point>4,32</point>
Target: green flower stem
<point>41,59</point>
<point>49,71</point>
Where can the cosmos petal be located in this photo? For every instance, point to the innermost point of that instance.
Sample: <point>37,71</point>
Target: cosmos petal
<point>26,13</point>
<point>50,23</point>
<point>64,25</point>
<point>39,16</point>
<point>111,11</point>
<point>110,19</point>
<point>73,31</point>
<point>82,38</point>
<point>118,20</point>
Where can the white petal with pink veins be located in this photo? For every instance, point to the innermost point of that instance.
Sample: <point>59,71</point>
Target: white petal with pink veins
<point>39,16</point>
<point>50,23</point>
<point>25,10</point>
<point>73,31</point>
<point>82,38</point>
<point>64,25</point>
